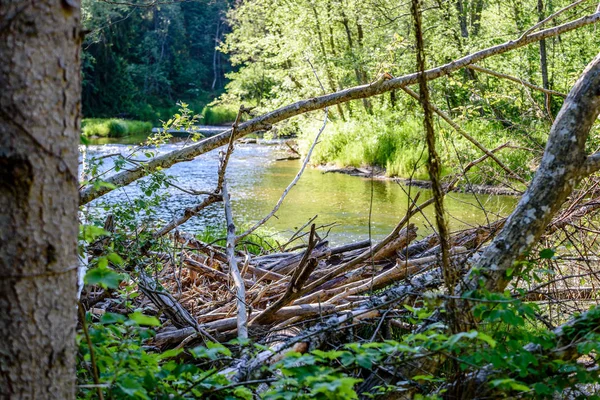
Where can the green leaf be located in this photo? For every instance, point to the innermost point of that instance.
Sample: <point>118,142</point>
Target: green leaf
<point>132,387</point>
<point>364,361</point>
<point>90,233</point>
<point>169,353</point>
<point>103,184</point>
<point>111,318</point>
<point>243,393</point>
<point>102,262</point>
<point>547,254</point>
<point>115,259</point>
<point>144,320</point>
<point>104,277</point>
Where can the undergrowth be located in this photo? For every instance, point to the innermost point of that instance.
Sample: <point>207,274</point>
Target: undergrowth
<point>114,128</point>
<point>396,143</point>
<point>219,114</point>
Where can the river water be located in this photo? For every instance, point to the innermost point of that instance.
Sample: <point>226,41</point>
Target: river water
<point>257,180</point>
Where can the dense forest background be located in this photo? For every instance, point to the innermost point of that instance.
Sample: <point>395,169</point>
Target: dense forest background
<point>138,61</point>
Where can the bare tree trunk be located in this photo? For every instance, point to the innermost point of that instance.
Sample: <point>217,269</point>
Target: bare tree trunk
<point>325,55</point>
<point>39,133</point>
<point>462,18</point>
<point>544,62</point>
<point>357,73</point>
<point>476,10</point>
<point>215,53</point>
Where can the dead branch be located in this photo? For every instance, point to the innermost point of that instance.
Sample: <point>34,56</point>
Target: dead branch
<point>517,80</point>
<point>189,213</point>
<point>467,136</point>
<point>291,185</point>
<point>242,315</point>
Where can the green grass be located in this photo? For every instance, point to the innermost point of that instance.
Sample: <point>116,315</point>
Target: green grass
<point>397,143</point>
<point>219,114</point>
<point>114,128</point>
<point>261,241</point>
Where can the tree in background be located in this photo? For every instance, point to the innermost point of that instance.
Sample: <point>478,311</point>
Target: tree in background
<point>138,60</point>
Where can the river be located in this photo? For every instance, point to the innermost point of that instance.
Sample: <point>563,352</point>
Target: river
<point>256,181</point>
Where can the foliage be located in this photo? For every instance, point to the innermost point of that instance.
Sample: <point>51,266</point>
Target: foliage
<point>278,47</point>
<point>114,128</point>
<point>219,114</point>
<point>137,60</point>
<point>394,142</point>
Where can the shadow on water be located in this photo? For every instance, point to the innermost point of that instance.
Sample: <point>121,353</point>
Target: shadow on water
<point>257,181</point>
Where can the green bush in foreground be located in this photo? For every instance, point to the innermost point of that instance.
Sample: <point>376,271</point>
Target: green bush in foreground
<point>114,128</point>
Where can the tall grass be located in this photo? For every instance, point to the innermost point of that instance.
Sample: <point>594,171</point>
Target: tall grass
<point>114,128</point>
<point>219,114</point>
<point>261,241</point>
<point>397,143</point>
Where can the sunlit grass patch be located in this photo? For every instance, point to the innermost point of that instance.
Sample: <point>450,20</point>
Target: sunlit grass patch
<point>114,128</point>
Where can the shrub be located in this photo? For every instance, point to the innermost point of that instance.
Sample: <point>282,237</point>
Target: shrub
<point>116,128</point>
<point>219,114</point>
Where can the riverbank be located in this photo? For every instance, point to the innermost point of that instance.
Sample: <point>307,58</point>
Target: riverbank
<point>395,144</point>
<point>114,128</point>
<point>380,174</point>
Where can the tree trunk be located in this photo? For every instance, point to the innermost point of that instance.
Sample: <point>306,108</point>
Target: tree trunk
<point>462,18</point>
<point>328,73</point>
<point>544,63</point>
<point>39,133</point>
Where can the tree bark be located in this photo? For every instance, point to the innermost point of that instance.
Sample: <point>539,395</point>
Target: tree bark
<point>39,134</point>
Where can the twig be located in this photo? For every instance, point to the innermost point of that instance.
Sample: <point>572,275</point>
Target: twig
<point>242,315</point>
<point>517,80</point>
<point>188,213</point>
<point>92,356</point>
<point>306,266</point>
<point>551,17</point>
<point>466,135</point>
<point>366,254</point>
<point>225,159</point>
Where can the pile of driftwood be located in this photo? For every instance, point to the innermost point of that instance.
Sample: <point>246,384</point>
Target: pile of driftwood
<point>197,294</point>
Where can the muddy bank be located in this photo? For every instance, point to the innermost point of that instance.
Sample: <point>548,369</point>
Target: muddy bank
<point>379,174</point>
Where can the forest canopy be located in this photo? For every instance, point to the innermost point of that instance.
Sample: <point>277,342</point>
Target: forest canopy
<point>139,61</point>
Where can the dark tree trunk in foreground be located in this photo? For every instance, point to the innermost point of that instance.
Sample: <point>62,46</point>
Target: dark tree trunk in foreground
<point>39,133</point>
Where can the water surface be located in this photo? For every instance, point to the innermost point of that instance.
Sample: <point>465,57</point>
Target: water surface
<point>257,180</point>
